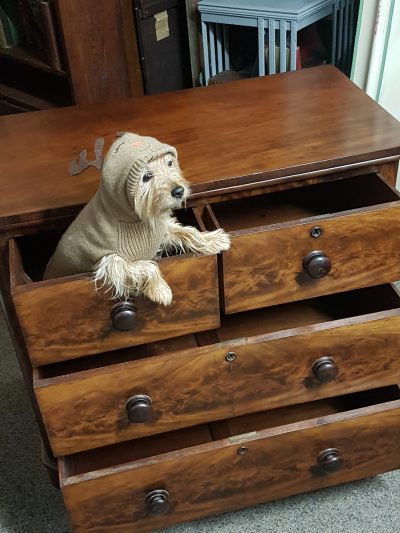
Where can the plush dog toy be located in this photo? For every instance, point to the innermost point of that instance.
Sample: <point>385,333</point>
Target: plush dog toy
<point>119,233</point>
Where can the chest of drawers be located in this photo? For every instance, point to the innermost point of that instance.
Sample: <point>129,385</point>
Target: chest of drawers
<point>275,369</point>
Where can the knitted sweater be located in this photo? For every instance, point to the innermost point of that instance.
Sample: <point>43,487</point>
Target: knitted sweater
<point>108,224</point>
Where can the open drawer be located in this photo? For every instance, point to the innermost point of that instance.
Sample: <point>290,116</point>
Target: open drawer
<point>308,241</point>
<point>66,318</point>
<point>184,475</point>
<point>257,360</point>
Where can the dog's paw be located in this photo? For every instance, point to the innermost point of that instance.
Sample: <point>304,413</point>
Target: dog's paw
<point>217,241</point>
<point>160,293</point>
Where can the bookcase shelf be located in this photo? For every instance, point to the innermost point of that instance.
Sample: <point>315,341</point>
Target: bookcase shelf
<point>94,66</point>
<point>23,99</point>
<point>31,88</point>
<point>27,56</point>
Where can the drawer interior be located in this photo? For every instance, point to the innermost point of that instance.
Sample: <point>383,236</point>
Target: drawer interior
<point>127,452</point>
<point>296,413</point>
<point>109,456</point>
<point>36,249</point>
<point>303,202</point>
<point>357,303</point>
<point>124,355</point>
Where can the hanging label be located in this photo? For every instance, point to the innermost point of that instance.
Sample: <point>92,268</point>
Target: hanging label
<point>162,26</point>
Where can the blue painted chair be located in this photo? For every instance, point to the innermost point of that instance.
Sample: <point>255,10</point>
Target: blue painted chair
<point>343,36</point>
<point>286,17</point>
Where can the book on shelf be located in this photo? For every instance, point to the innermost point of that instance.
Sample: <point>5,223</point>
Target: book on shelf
<point>48,17</point>
<point>9,33</point>
<point>38,21</point>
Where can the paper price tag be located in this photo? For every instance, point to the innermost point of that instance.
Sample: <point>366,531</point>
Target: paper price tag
<point>162,26</point>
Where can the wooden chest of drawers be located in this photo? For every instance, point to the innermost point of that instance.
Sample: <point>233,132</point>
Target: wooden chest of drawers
<point>275,369</point>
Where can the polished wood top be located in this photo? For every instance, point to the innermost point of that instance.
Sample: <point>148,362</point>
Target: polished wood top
<point>260,130</point>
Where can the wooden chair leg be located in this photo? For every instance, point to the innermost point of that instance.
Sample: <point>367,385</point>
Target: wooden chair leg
<point>261,47</point>
<point>206,57</point>
<point>293,45</point>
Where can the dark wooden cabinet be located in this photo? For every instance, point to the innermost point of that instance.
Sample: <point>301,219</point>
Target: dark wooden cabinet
<point>110,49</point>
<point>98,44</point>
<point>164,45</point>
<point>275,369</point>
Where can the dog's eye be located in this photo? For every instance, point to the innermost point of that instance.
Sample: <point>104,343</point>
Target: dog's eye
<point>148,176</point>
<point>170,163</point>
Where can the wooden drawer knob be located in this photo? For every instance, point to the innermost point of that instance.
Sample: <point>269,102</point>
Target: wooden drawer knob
<point>124,316</point>
<point>330,461</point>
<point>157,502</point>
<point>317,264</point>
<point>325,369</point>
<point>139,408</point>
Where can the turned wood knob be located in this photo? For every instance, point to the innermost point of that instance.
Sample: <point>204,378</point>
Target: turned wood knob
<point>316,264</point>
<point>124,316</point>
<point>139,408</point>
<point>325,369</point>
<point>330,461</point>
<point>157,502</point>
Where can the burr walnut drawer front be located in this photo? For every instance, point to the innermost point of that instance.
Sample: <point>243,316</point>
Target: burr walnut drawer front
<point>183,475</point>
<point>308,241</point>
<point>67,317</point>
<point>257,360</point>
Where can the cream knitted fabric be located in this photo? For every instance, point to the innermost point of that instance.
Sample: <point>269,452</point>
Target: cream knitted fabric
<point>108,224</point>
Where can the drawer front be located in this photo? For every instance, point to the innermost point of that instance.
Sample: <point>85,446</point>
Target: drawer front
<point>265,267</point>
<point>89,409</point>
<point>235,472</point>
<point>66,318</point>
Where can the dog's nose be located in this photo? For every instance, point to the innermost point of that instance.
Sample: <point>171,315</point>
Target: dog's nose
<point>177,192</point>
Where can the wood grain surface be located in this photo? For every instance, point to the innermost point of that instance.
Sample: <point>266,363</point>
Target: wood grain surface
<point>264,265</point>
<point>234,140</point>
<point>213,477</point>
<point>389,172</point>
<point>66,318</point>
<point>84,410</point>
<point>227,135</point>
<point>97,59</point>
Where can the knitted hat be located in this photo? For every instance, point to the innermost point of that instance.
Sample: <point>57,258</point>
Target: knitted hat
<point>126,162</point>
